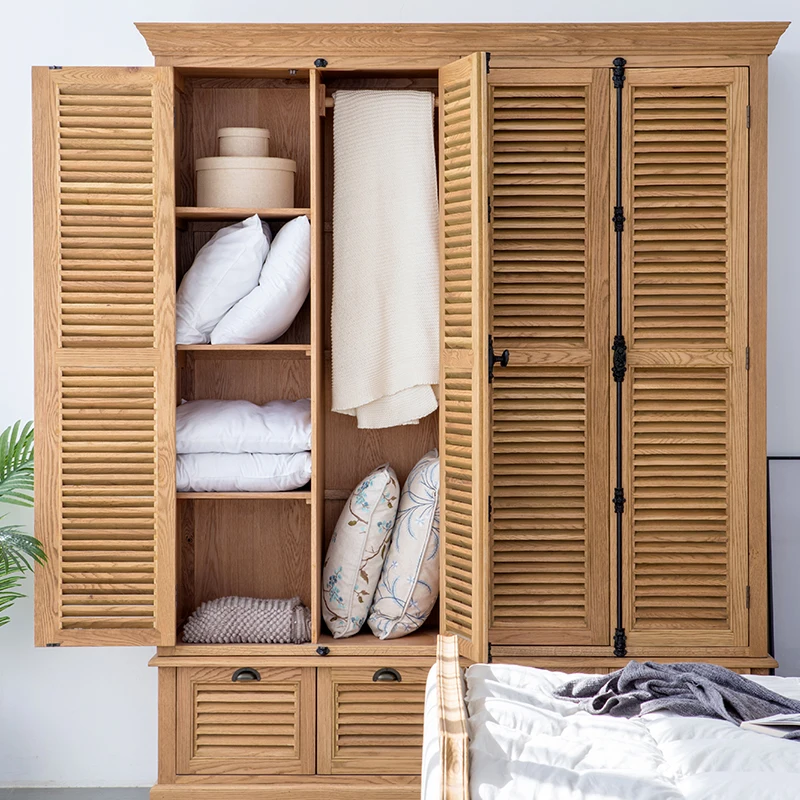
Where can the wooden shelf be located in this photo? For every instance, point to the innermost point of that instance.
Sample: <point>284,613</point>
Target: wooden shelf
<point>298,495</point>
<point>247,350</point>
<point>193,212</point>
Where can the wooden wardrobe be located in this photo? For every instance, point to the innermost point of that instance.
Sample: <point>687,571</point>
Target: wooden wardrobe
<point>592,501</point>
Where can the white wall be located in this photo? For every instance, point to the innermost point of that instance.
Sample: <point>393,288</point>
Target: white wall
<point>73,717</point>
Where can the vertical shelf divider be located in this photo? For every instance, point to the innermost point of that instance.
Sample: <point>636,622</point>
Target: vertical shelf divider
<point>316,90</point>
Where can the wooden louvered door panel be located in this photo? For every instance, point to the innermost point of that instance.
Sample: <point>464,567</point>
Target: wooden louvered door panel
<point>104,274</point>
<point>463,430</point>
<point>549,309</point>
<point>367,725</point>
<point>685,307</point>
<point>255,727</point>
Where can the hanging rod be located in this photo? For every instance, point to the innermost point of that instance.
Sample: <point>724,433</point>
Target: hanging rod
<point>330,103</point>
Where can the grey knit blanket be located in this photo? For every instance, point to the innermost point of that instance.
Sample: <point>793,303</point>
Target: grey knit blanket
<point>249,619</point>
<point>689,690</point>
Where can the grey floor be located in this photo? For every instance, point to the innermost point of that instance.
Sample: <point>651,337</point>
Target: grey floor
<point>74,794</point>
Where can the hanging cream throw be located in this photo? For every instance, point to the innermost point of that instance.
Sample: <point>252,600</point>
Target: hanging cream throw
<point>385,315</point>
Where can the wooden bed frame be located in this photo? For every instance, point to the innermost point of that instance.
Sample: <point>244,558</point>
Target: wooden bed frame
<point>453,736</point>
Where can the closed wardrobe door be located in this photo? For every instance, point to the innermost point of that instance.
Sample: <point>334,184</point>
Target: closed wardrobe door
<point>104,355</point>
<point>549,307</point>
<point>685,145</point>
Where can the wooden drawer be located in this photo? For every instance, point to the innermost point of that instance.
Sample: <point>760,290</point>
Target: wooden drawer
<point>367,726</point>
<point>229,726</point>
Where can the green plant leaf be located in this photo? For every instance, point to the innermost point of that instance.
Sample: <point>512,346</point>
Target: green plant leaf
<point>8,594</point>
<point>16,464</point>
<point>18,550</point>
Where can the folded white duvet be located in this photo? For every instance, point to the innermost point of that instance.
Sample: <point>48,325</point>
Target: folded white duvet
<point>238,426</point>
<point>243,472</point>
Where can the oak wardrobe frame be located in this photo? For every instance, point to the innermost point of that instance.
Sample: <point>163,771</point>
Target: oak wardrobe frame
<point>541,136</point>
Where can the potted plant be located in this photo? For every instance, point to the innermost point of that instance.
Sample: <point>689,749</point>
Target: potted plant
<point>18,550</point>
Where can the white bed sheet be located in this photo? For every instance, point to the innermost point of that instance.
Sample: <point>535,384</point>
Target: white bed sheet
<point>524,743</point>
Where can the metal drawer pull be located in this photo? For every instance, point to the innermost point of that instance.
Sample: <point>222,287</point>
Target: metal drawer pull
<point>246,674</point>
<point>387,674</point>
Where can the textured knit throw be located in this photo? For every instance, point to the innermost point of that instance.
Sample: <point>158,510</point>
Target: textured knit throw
<point>249,619</point>
<point>385,307</point>
<point>688,690</point>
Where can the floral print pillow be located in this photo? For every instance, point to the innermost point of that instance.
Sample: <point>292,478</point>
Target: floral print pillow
<point>355,555</point>
<point>409,583</point>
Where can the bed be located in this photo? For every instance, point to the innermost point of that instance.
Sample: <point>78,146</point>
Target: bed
<point>496,732</point>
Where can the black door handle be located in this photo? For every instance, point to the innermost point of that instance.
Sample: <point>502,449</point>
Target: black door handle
<point>502,359</point>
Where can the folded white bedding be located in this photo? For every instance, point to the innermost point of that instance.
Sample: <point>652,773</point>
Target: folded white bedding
<point>526,743</point>
<point>238,426</point>
<point>242,472</point>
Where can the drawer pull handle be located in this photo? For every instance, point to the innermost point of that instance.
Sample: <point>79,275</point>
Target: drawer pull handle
<point>387,674</point>
<point>246,674</point>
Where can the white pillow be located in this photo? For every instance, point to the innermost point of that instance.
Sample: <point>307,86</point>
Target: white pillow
<point>239,426</point>
<point>356,552</point>
<point>268,311</point>
<point>409,583</point>
<point>243,472</point>
<point>225,269</point>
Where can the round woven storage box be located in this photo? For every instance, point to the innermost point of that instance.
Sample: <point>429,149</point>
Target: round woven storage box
<point>245,182</point>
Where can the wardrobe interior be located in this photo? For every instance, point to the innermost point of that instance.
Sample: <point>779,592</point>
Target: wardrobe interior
<point>273,544</point>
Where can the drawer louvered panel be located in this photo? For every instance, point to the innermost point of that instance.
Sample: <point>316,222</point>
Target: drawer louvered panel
<point>106,208</point>
<point>108,497</point>
<point>539,498</point>
<point>680,216</point>
<point>539,213</point>
<point>458,505</point>
<point>369,727</point>
<point>680,502</point>
<point>256,727</point>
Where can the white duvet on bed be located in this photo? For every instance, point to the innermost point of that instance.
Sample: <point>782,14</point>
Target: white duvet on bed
<point>524,743</point>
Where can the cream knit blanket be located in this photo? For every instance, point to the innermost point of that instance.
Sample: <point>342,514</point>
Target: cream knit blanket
<point>385,315</point>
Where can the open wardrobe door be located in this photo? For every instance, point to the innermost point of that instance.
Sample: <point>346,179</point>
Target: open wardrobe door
<point>104,249</point>
<point>464,434</point>
<point>685,262</point>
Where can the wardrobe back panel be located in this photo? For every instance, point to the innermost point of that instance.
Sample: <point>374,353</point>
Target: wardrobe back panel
<point>210,103</point>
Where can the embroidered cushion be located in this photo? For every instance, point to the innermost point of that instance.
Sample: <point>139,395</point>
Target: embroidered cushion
<point>225,269</point>
<point>355,555</point>
<point>409,583</point>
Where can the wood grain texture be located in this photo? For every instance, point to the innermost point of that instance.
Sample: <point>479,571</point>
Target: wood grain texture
<point>259,727</point>
<point>549,308</point>
<point>440,43</point>
<point>326,787</point>
<point>453,730</point>
<point>463,418</point>
<point>366,726</point>
<point>685,288</point>
<point>104,178</point>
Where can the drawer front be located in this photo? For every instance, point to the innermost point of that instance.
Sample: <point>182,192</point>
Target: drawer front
<point>231,723</point>
<point>369,726</point>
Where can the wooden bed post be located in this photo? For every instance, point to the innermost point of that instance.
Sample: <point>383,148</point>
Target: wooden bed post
<point>453,737</point>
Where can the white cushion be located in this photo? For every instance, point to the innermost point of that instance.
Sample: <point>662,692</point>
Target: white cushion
<point>225,269</point>
<point>270,308</point>
<point>356,552</point>
<point>243,472</point>
<point>239,426</point>
<point>409,583</point>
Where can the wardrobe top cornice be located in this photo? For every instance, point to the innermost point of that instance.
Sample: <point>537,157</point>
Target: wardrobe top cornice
<point>346,45</point>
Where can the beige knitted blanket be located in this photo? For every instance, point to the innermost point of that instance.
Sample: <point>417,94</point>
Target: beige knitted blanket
<point>385,307</point>
<point>249,619</point>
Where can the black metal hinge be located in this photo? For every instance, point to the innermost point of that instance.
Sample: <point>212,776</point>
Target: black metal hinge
<point>489,209</point>
<point>502,359</point>
<point>53,644</point>
<point>620,643</point>
<point>620,365</point>
<point>618,219</point>
<point>619,500</point>
<point>618,73</point>
<point>747,357</point>
<point>747,597</point>
<point>488,59</point>
<point>53,68</point>
<point>489,654</point>
<point>490,508</point>
<point>748,116</point>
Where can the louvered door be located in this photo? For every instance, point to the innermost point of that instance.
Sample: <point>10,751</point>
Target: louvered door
<point>463,432</point>
<point>260,726</point>
<point>104,281</point>
<point>549,308</point>
<point>370,720</point>
<point>685,314</point>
